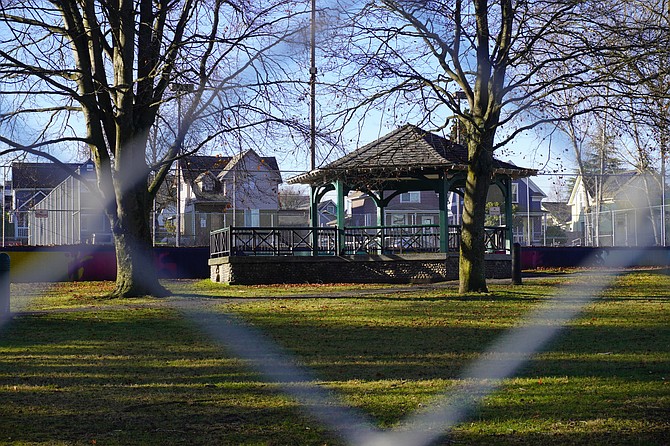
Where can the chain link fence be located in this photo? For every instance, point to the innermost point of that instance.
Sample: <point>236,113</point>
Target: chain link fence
<point>48,227</point>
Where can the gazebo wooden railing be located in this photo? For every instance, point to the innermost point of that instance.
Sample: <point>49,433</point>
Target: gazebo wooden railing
<point>275,241</point>
<point>364,240</point>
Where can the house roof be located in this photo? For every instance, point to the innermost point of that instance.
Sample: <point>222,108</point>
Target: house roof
<point>406,149</point>
<point>533,189</point>
<point>240,162</point>
<point>40,175</point>
<point>558,209</point>
<point>612,184</point>
<point>193,166</point>
<point>294,201</point>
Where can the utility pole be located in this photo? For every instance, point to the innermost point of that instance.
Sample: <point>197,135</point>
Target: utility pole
<point>663,219</point>
<point>312,84</point>
<point>179,89</point>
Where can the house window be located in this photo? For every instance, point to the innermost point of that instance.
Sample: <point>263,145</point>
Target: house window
<point>410,197</point>
<point>206,185</point>
<point>427,220</point>
<point>369,220</point>
<point>515,192</point>
<point>398,219</point>
<point>252,217</point>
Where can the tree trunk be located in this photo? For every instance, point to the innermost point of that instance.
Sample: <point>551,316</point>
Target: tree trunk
<point>471,265</point>
<point>135,269</point>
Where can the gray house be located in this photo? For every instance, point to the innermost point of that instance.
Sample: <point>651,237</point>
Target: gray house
<point>69,214</point>
<point>30,184</point>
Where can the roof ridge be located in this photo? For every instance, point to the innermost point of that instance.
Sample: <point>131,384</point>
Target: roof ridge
<point>405,149</point>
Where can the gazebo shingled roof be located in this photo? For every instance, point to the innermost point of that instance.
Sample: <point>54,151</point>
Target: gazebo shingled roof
<point>405,150</point>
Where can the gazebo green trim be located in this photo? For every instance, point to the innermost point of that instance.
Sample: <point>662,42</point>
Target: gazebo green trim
<point>406,160</point>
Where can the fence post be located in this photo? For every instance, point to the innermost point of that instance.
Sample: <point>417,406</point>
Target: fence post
<point>4,285</point>
<point>516,264</point>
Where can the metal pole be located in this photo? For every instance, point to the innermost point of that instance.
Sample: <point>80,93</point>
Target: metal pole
<point>663,228</point>
<point>179,90</point>
<point>178,222</point>
<point>178,218</point>
<point>516,264</point>
<point>530,240</point>
<point>4,286</point>
<point>153,160</point>
<point>4,197</point>
<point>153,225</point>
<point>234,197</point>
<point>312,83</point>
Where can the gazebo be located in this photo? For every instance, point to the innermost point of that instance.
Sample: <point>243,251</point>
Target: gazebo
<point>408,159</point>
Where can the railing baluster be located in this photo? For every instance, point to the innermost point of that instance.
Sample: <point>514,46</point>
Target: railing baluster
<point>357,240</point>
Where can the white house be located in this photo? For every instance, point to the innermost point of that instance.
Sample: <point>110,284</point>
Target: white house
<point>218,191</point>
<point>618,209</point>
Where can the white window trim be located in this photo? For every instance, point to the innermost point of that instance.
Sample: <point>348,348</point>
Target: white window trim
<point>515,193</point>
<point>410,197</point>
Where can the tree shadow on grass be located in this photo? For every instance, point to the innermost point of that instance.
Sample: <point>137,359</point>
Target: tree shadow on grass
<point>114,378</point>
<point>147,376</point>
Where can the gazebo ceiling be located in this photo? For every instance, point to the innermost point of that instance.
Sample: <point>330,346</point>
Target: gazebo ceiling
<point>404,153</point>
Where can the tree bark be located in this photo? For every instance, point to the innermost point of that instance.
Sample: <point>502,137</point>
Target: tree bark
<point>136,274</point>
<point>471,265</point>
<point>135,270</point>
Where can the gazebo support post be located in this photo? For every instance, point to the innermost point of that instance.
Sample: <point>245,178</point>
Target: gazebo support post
<point>316,193</point>
<point>340,193</point>
<point>443,197</point>
<point>314,217</point>
<point>381,208</point>
<point>507,182</point>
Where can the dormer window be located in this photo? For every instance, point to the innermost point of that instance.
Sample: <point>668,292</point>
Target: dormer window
<point>207,186</point>
<point>206,182</point>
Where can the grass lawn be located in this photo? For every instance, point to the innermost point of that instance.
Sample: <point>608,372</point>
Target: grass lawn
<point>79,370</point>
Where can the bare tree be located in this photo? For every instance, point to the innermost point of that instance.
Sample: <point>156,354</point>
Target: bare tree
<point>630,111</point>
<point>413,60</point>
<point>105,72</point>
<point>644,85</point>
<point>291,197</point>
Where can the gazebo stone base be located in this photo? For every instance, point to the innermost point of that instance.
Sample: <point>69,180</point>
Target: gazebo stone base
<point>408,268</point>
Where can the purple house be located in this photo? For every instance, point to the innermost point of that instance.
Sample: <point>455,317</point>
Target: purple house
<point>423,208</point>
